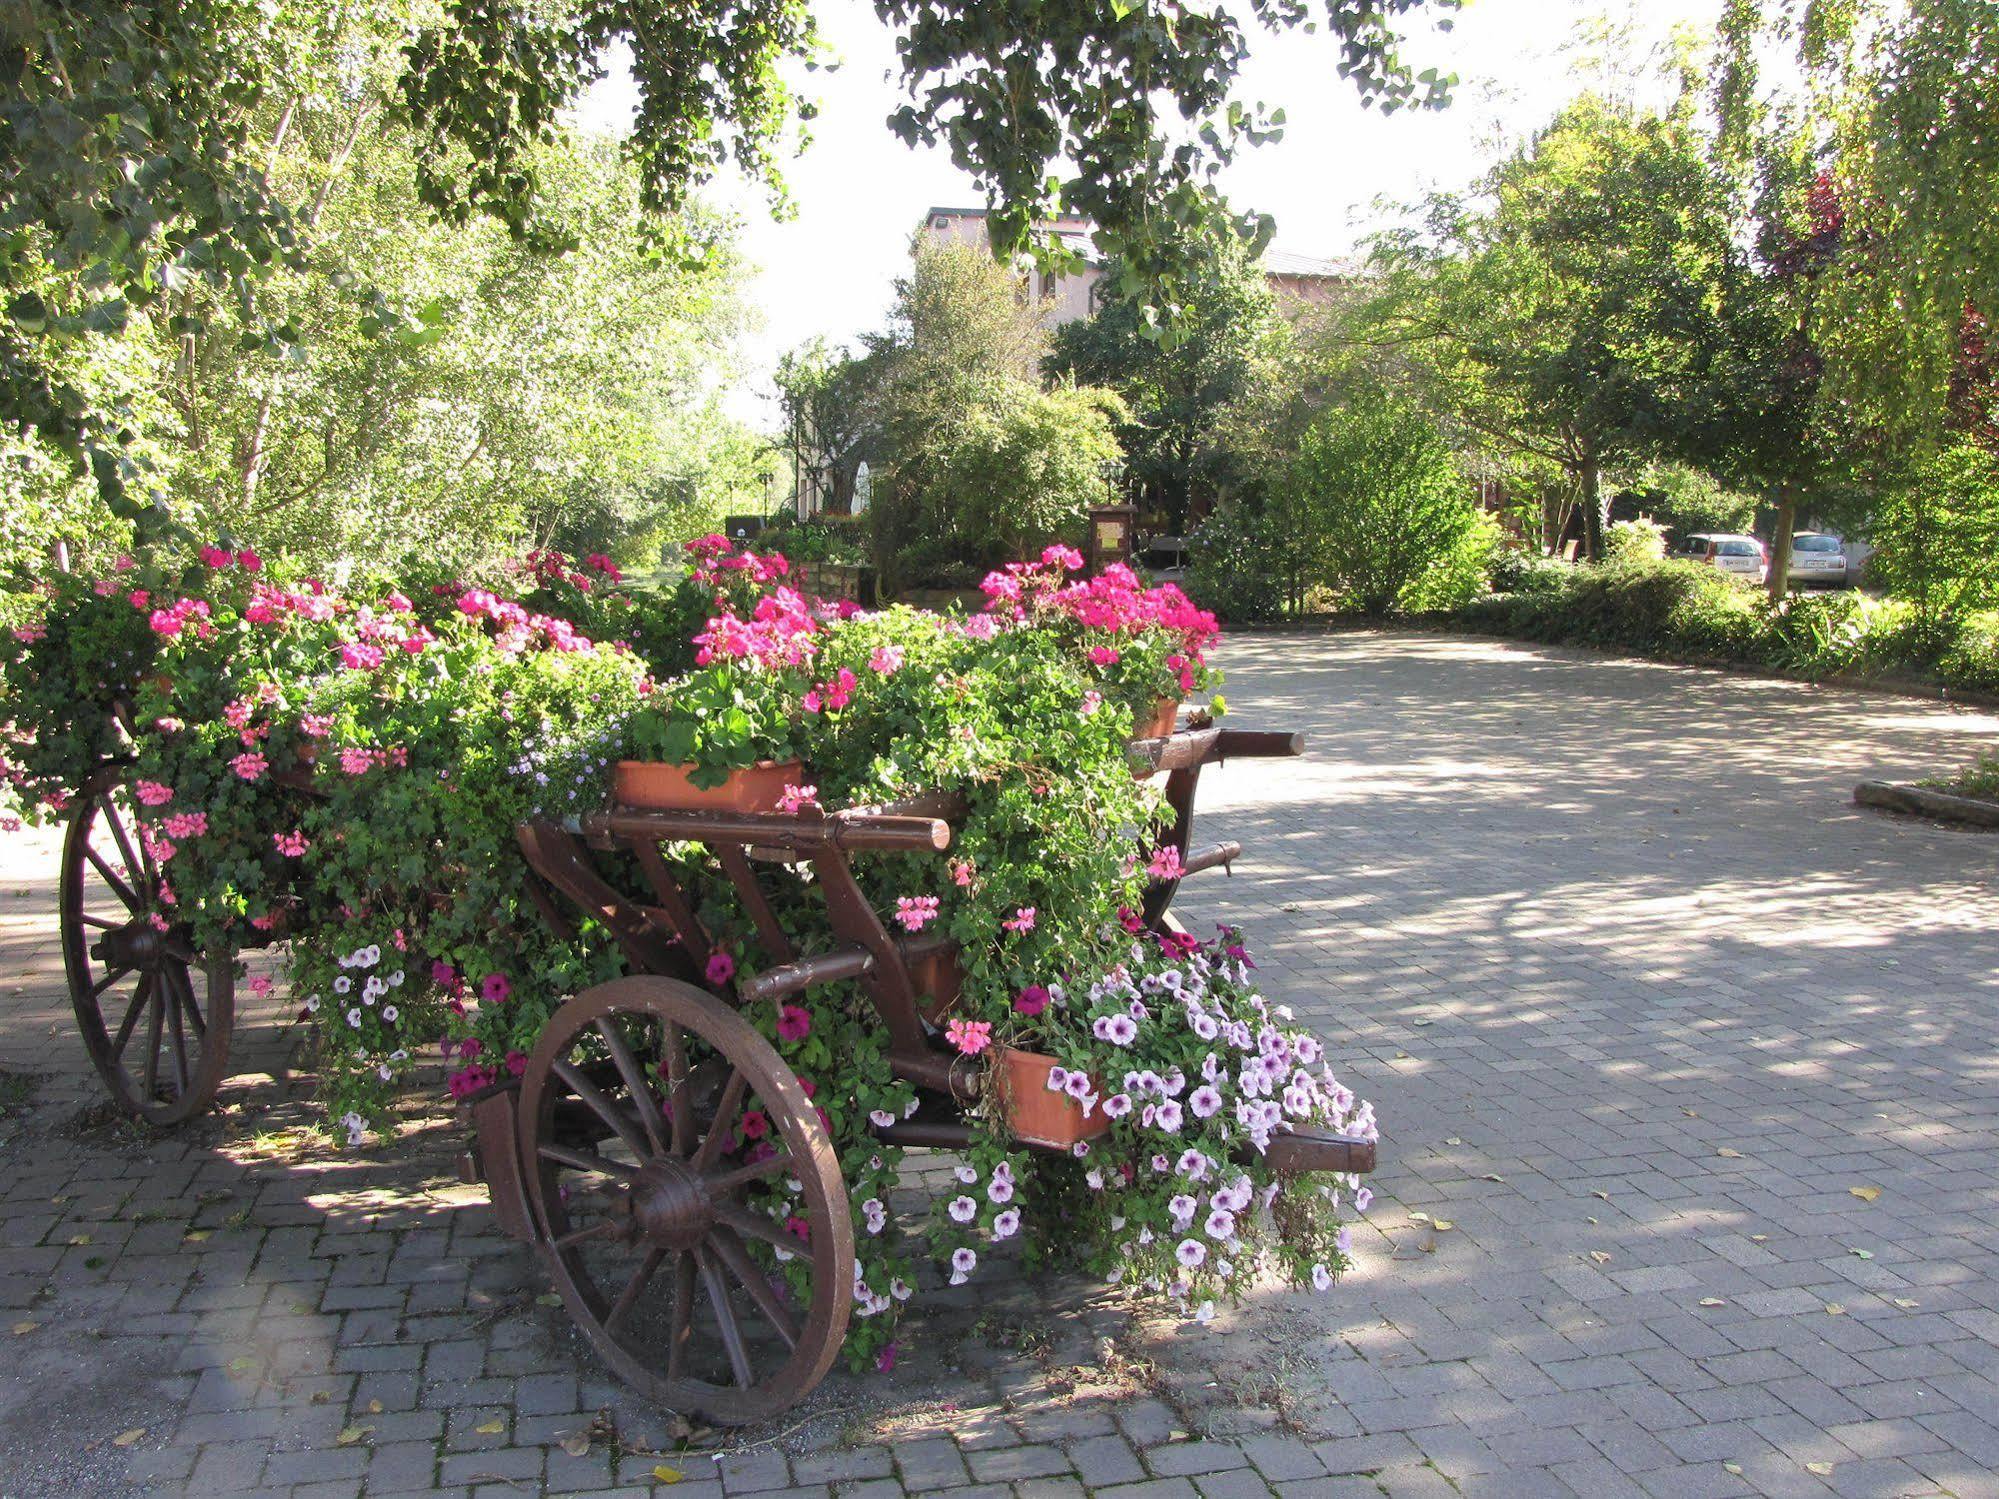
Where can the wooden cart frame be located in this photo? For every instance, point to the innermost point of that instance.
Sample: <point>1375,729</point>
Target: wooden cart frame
<point>630,1173</point>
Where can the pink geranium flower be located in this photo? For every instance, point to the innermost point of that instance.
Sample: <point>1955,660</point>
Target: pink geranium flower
<point>969,1036</point>
<point>915,912</point>
<point>154,794</point>
<point>1022,920</point>
<point>886,659</point>
<point>250,765</point>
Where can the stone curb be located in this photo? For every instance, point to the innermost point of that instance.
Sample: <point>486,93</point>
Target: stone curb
<point>1925,801</point>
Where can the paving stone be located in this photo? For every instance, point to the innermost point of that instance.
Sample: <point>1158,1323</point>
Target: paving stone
<point>1638,920</point>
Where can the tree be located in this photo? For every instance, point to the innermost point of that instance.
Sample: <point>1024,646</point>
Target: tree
<point>1379,502</point>
<point>1937,540</point>
<point>979,463</point>
<point>133,173</point>
<point>446,391</point>
<point>1567,310</point>
<point>1181,452</point>
<point>830,402</point>
<point>1904,314</point>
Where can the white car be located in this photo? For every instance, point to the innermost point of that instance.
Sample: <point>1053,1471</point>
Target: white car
<point>1742,555</point>
<point>1818,558</point>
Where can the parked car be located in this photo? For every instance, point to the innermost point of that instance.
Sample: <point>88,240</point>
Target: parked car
<point>1818,558</point>
<point>1742,555</point>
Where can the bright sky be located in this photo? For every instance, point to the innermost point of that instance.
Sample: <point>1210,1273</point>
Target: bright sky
<point>860,193</point>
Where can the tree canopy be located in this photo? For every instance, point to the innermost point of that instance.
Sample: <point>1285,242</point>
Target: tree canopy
<point>1575,305</point>
<point>1179,453</point>
<point>439,389</point>
<point>132,131</point>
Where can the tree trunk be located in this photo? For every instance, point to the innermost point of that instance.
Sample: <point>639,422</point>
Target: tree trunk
<point>1779,581</point>
<point>1592,502</point>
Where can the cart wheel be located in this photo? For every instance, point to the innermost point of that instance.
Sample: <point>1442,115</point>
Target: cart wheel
<point>661,1221</point>
<point>125,975</point>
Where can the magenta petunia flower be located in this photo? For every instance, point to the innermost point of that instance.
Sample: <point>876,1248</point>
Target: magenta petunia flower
<point>793,1024</point>
<point>721,968</point>
<point>496,988</point>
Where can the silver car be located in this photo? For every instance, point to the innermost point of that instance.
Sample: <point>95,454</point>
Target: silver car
<point>1818,558</point>
<point>1742,555</point>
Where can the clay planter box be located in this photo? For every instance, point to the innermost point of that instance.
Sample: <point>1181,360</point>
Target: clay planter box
<point>1034,1114</point>
<point>661,787</point>
<point>1164,717</point>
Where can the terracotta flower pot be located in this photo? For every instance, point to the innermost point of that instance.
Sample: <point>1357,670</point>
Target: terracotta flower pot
<point>1161,722</point>
<point>938,980</point>
<point>1035,1114</point>
<point>662,787</point>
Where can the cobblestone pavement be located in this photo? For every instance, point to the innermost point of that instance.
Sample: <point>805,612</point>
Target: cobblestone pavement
<point>1696,1061</point>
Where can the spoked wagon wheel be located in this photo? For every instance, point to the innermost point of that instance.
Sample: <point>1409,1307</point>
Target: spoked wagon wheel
<point>689,1199</point>
<point>155,1014</point>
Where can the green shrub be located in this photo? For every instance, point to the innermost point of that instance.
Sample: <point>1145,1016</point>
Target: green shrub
<point>1937,541</point>
<point>1684,611</point>
<point>1379,501</point>
<point>1458,576</point>
<point>1516,569</point>
<point>1635,541</point>
<point>1237,564</point>
<point>1971,660</point>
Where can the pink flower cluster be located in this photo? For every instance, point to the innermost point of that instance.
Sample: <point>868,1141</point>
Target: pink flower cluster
<point>181,615</point>
<point>833,694</point>
<point>518,628</point>
<point>221,557</point>
<point>915,912</point>
<point>1114,601</point>
<point>970,1036</point>
<point>356,760</point>
<point>270,606</point>
<point>715,557</point>
<point>778,632</point>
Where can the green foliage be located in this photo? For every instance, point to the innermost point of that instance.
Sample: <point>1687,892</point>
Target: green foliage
<point>130,182</point>
<point>1456,576</point>
<point>981,466</point>
<point>438,391</point>
<point>141,141</point>
<point>1019,92</point>
<point>1569,310</point>
<point>1634,541</point>
<point>1936,540</point>
<point>1380,505</point>
<point>1518,569</point>
<point>1903,318</point>
<point>1242,563</point>
<point>1686,499</point>
<point>1183,438</point>
<point>1683,611</point>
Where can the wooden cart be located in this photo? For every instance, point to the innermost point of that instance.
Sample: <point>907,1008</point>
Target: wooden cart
<point>625,1151</point>
<point>631,1174</point>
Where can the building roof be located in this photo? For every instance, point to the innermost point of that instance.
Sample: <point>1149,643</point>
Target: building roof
<point>1285,263</point>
